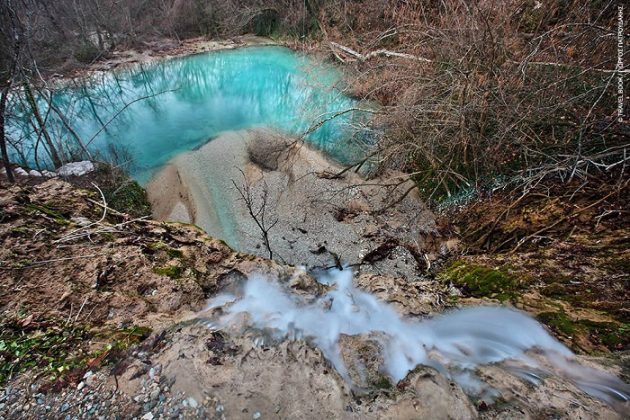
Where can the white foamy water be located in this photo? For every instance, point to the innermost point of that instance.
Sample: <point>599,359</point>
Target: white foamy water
<point>455,343</point>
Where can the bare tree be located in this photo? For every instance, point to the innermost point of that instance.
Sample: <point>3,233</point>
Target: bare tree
<point>257,207</point>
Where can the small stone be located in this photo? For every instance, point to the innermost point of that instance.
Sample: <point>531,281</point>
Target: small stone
<point>148,416</point>
<point>81,386</point>
<point>256,415</point>
<point>193,402</point>
<point>34,173</point>
<point>64,407</point>
<point>154,394</point>
<point>20,172</point>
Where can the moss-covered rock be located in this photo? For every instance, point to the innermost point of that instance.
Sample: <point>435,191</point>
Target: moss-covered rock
<point>173,271</point>
<point>613,336</point>
<point>129,198</point>
<point>50,212</point>
<point>480,281</point>
<point>170,251</point>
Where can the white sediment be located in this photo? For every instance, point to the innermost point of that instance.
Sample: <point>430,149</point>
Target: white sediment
<point>305,203</point>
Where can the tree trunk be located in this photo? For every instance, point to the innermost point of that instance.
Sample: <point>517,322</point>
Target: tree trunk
<point>3,143</point>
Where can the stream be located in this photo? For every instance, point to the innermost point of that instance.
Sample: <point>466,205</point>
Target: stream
<point>455,343</point>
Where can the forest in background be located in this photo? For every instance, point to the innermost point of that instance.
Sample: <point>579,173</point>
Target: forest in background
<point>475,95</point>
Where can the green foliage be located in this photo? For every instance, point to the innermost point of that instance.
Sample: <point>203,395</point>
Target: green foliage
<point>55,349</point>
<point>48,349</point>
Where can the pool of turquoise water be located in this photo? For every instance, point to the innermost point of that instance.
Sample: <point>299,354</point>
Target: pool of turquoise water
<point>189,100</point>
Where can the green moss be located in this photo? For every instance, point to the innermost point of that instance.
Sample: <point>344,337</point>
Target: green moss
<point>50,212</point>
<point>108,236</point>
<point>480,281</point>
<point>19,230</point>
<point>172,271</point>
<point>612,335</point>
<point>171,252</point>
<point>382,382</point>
<point>175,253</point>
<point>129,198</point>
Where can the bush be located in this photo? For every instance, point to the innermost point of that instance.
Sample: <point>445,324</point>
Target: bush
<point>87,52</point>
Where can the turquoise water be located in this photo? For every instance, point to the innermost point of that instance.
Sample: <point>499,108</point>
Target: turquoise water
<point>191,100</point>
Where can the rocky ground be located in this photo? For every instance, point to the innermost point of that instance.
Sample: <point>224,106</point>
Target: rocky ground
<point>102,316</point>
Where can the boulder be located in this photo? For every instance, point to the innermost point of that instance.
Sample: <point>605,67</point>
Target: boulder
<point>266,148</point>
<point>76,168</point>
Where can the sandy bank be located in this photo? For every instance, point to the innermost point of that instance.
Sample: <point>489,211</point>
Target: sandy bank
<point>318,218</point>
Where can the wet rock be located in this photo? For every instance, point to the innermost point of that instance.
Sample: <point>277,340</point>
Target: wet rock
<point>433,396</point>
<point>363,358</point>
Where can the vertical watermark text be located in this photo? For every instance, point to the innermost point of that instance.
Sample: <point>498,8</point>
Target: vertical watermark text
<point>620,72</point>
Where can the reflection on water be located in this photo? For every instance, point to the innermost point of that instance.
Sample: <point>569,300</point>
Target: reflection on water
<point>189,100</point>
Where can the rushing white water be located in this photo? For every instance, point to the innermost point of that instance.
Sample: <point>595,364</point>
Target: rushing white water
<point>455,343</point>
